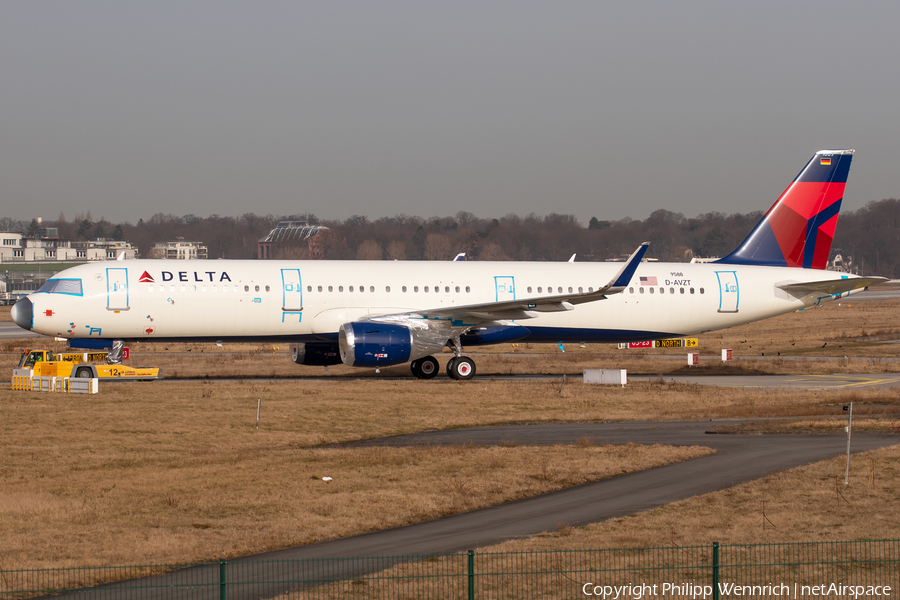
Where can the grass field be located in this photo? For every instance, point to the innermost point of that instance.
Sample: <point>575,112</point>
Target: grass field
<point>176,470</point>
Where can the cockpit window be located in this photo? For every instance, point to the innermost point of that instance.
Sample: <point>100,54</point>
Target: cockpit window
<point>62,286</point>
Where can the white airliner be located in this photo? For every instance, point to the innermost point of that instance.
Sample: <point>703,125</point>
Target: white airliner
<point>375,314</point>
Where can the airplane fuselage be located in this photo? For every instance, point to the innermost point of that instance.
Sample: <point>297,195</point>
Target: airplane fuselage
<point>231,300</point>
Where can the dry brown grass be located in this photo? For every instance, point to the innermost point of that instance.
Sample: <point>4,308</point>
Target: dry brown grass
<point>172,470</point>
<point>175,471</point>
<point>808,503</point>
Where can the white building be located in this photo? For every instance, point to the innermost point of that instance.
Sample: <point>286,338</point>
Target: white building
<point>179,249</point>
<point>16,248</point>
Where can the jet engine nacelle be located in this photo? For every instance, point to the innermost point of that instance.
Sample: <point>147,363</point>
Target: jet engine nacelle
<point>316,354</point>
<point>371,344</point>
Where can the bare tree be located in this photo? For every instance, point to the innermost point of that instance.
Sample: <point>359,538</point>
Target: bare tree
<point>438,247</point>
<point>369,250</point>
<point>396,250</point>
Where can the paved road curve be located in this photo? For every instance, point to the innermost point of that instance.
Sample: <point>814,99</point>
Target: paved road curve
<point>739,458</point>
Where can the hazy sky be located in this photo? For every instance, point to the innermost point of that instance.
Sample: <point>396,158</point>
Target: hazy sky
<point>594,108</point>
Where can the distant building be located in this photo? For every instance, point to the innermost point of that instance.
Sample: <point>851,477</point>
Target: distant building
<point>294,234</point>
<point>17,248</point>
<point>179,249</point>
<point>104,249</point>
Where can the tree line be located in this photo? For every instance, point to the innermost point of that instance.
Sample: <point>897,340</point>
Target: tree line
<point>871,235</point>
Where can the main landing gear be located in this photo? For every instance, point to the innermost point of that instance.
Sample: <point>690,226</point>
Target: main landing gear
<point>425,368</point>
<point>461,368</point>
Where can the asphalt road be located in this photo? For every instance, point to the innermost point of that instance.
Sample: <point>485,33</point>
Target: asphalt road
<point>11,331</point>
<point>833,381</point>
<point>739,458</point>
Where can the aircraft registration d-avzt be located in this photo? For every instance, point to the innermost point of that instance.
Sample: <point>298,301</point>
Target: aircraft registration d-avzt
<point>381,313</point>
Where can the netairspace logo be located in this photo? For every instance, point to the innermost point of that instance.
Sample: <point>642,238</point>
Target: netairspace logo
<point>733,590</point>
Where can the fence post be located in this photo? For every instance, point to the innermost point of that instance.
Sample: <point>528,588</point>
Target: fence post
<point>715,573</point>
<point>471,575</point>
<point>222,582</point>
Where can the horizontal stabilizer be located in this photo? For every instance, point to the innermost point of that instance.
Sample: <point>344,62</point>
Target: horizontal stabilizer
<point>831,287</point>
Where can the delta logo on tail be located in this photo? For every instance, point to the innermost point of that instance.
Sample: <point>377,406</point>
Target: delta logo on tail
<point>799,228</point>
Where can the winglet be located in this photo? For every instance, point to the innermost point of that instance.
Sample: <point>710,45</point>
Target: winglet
<point>460,256</point>
<point>623,277</point>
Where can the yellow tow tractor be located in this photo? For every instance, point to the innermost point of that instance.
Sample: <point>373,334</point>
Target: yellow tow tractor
<point>42,363</point>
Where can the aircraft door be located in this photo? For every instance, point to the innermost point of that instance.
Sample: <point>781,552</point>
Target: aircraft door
<point>117,289</point>
<point>506,288</point>
<point>729,295</point>
<point>292,302</point>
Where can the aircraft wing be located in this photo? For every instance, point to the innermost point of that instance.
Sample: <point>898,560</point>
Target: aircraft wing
<point>531,307</point>
<point>831,287</point>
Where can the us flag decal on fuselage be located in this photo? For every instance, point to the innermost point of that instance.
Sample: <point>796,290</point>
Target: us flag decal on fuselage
<point>648,281</point>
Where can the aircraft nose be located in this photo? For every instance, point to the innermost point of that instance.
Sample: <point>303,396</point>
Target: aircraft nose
<point>23,313</point>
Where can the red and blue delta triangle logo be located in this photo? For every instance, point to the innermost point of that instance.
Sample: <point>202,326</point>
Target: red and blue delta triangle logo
<point>146,278</point>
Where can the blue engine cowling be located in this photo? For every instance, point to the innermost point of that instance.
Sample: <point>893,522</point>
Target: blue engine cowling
<point>316,354</point>
<point>374,344</point>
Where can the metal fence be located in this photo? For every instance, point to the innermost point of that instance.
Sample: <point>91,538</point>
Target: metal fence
<point>860,569</point>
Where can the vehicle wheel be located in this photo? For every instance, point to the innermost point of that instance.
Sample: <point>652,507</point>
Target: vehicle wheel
<point>83,373</point>
<point>451,367</point>
<point>425,368</point>
<point>461,368</point>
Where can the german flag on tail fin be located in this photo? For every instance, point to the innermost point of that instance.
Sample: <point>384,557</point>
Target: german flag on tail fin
<point>799,228</point>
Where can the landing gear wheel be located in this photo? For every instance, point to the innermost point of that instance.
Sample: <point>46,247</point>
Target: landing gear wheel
<point>451,367</point>
<point>461,368</point>
<point>425,368</point>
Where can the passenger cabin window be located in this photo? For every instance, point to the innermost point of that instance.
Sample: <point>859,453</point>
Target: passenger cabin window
<point>403,289</point>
